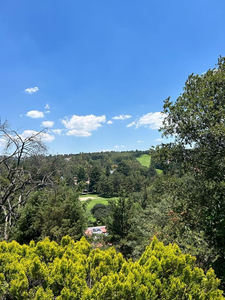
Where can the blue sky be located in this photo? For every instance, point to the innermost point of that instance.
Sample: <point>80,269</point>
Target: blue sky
<point>95,73</point>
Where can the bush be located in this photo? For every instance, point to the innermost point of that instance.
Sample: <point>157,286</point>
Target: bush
<point>72,270</point>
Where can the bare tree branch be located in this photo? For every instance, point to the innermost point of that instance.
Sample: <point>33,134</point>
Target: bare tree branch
<point>21,173</point>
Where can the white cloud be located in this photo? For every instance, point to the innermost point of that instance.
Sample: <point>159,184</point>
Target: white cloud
<point>122,146</point>
<point>43,136</point>
<point>57,131</point>
<point>83,125</point>
<point>122,117</point>
<point>31,90</point>
<point>2,142</point>
<point>158,140</point>
<point>47,106</point>
<point>35,114</point>
<point>48,124</point>
<point>131,124</point>
<point>106,150</point>
<point>151,120</point>
<point>47,111</point>
<point>140,141</point>
<point>110,122</point>
<point>79,133</point>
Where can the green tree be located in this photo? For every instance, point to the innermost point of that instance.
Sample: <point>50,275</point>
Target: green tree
<point>53,214</point>
<point>100,212</point>
<point>104,186</point>
<point>94,178</point>
<point>196,120</point>
<point>119,223</point>
<point>107,171</point>
<point>124,167</point>
<point>81,174</point>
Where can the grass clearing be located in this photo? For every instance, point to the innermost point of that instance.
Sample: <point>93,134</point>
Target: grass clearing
<point>94,199</point>
<point>144,160</point>
<point>159,171</point>
<point>99,200</point>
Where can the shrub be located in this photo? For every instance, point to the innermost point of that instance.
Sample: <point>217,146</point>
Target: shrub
<point>47,270</point>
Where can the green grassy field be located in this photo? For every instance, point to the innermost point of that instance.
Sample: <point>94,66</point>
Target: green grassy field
<point>159,171</point>
<point>145,161</point>
<point>94,200</point>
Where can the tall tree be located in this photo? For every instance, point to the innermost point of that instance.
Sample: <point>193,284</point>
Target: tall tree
<point>94,178</point>
<point>17,178</point>
<point>196,120</point>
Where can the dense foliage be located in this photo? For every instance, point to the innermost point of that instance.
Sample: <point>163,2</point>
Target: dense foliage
<point>183,205</point>
<point>196,120</point>
<point>47,270</point>
<point>51,213</point>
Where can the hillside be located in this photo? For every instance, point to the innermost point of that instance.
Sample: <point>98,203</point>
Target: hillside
<point>145,161</point>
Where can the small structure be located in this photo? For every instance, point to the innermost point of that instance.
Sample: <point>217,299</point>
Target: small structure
<point>96,230</point>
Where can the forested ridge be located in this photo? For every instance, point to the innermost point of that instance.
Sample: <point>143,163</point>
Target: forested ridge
<point>184,205</point>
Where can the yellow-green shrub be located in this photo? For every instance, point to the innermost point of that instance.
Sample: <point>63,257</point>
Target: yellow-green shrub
<point>72,270</point>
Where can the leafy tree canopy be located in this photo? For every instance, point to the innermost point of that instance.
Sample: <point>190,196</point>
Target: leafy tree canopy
<point>47,270</point>
<point>196,121</point>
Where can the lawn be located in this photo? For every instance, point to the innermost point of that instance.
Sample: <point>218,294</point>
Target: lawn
<point>94,200</point>
<point>159,171</point>
<point>144,160</point>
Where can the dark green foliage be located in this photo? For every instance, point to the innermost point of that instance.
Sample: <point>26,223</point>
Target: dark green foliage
<point>120,224</point>
<point>81,174</point>
<point>52,214</point>
<point>27,227</point>
<point>196,120</point>
<point>152,172</point>
<point>124,168</point>
<point>100,212</point>
<point>94,178</point>
<point>105,186</point>
<point>107,171</point>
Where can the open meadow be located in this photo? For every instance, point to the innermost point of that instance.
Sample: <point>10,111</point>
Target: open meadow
<point>145,161</point>
<point>92,200</point>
